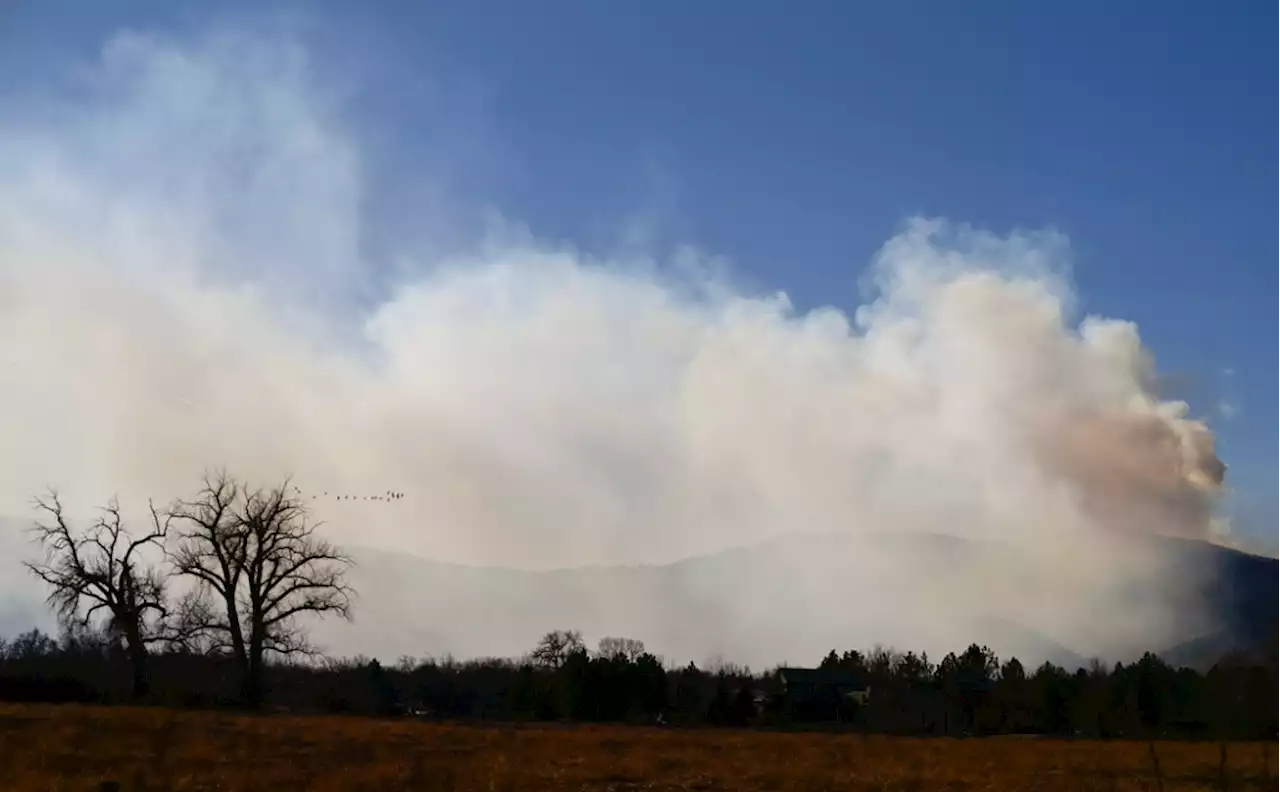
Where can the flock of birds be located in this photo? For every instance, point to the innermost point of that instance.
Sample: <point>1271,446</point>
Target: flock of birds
<point>386,495</point>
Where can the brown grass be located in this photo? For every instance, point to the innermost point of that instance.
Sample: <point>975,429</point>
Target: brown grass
<point>78,748</point>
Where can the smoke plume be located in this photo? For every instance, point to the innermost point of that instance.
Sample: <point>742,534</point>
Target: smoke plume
<point>185,282</point>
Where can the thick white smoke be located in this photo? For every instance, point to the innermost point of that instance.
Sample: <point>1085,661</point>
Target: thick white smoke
<point>182,285</point>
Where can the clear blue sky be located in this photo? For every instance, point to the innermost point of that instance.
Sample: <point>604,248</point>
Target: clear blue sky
<point>794,138</point>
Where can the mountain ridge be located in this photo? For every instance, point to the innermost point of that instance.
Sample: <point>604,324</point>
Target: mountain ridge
<point>756,603</point>
<point>688,588</point>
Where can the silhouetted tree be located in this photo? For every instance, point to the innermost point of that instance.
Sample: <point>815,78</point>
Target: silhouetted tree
<point>687,698</point>
<point>385,696</point>
<point>967,679</point>
<point>881,663</point>
<point>256,554</point>
<point>628,649</point>
<point>915,668</point>
<point>1016,711</point>
<point>31,645</point>
<point>556,646</point>
<point>100,574</point>
<point>720,708</point>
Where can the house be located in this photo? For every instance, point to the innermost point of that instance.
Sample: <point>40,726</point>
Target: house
<point>823,694</point>
<point>821,684</point>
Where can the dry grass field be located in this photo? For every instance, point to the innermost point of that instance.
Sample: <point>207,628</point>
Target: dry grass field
<point>79,748</point>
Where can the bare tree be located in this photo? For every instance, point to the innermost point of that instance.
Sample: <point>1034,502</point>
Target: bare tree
<point>628,649</point>
<point>101,574</point>
<point>256,554</point>
<point>556,646</point>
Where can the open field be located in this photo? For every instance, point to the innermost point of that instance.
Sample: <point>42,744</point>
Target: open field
<point>46,747</point>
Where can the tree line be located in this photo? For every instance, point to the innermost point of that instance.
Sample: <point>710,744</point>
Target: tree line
<point>971,692</point>
<point>204,607</point>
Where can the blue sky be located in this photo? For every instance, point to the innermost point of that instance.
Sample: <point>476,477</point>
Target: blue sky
<point>795,141</point>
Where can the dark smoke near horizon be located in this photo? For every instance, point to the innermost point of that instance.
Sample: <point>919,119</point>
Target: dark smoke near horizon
<point>182,285</point>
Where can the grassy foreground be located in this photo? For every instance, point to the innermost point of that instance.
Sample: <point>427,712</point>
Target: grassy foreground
<point>77,748</point>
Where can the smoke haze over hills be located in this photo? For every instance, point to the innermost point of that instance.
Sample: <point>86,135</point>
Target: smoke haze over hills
<point>185,282</point>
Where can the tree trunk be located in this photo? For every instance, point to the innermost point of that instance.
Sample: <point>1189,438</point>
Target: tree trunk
<point>138,662</point>
<point>254,690</point>
<point>243,659</point>
<point>251,688</point>
<point>141,684</point>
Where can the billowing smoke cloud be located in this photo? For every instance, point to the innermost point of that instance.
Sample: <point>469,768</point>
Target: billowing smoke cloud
<point>183,284</point>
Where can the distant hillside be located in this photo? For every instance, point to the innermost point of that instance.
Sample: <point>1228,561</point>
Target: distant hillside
<point>789,599</point>
<point>1242,590</point>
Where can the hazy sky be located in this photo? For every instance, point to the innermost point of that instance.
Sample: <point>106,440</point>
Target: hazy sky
<point>335,155</point>
<point>602,287</point>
